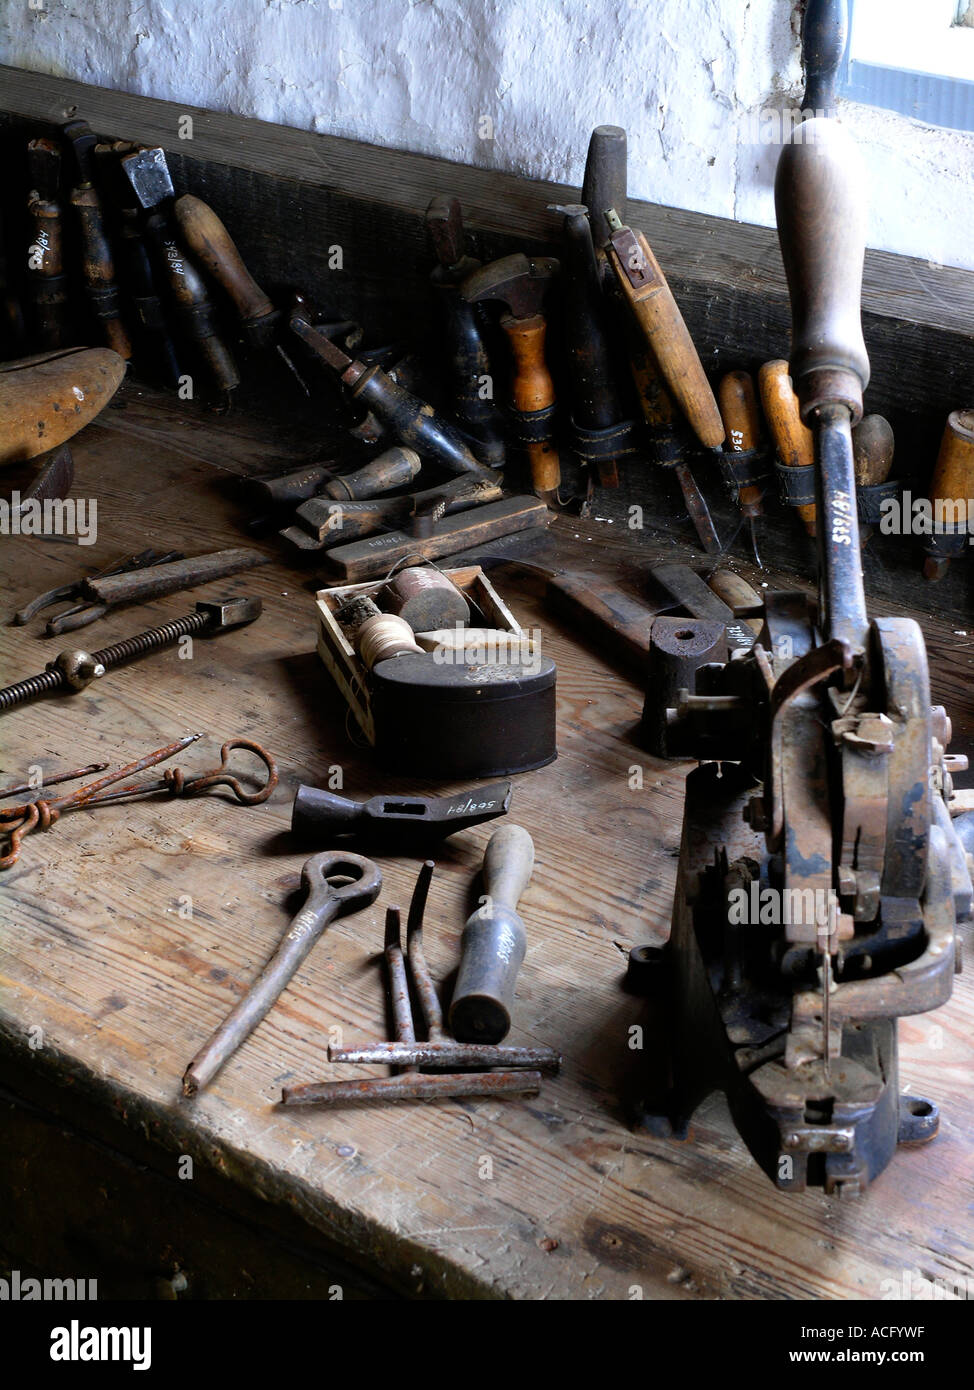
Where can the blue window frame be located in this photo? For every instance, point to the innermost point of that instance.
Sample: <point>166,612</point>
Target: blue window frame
<point>913,56</point>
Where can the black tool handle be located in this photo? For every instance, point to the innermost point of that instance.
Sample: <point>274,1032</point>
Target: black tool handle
<point>469,367</point>
<point>494,942</point>
<point>824,33</point>
<point>135,272</point>
<point>411,421</point>
<point>605,183</point>
<point>594,402</point>
<point>822,230</point>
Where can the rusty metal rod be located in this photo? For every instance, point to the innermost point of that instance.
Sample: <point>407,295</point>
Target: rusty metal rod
<point>52,781</point>
<point>447,1053</point>
<point>415,1086</point>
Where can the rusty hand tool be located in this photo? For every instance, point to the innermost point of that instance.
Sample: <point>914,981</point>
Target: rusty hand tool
<point>16,822</point>
<point>520,285</point>
<point>51,781</point>
<point>793,440</point>
<point>410,1084</point>
<point>605,184</point>
<point>827,780</point>
<point>323,816</point>
<point>600,434</point>
<point>438,1050</point>
<point>469,363</point>
<point>666,429</point>
<point>65,592</point>
<point>98,267</point>
<point>214,248</point>
<point>392,469</point>
<point>324,522</point>
<point>740,414</point>
<point>175,782</point>
<point>77,669</point>
<point>170,574</point>
<point>825,28</point>
<point>334,886</point>
<point>951,485</point>
<point>493,942</point>
<point>651,300</point>
<point>148,174</point>
<point>873,447</point>
<point>405,415</point>
<point>47,282</point>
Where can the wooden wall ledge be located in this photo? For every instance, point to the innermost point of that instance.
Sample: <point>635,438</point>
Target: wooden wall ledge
<point>692,246</point>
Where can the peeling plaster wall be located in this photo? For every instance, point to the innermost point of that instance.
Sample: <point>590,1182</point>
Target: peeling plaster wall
<point>514,85</point>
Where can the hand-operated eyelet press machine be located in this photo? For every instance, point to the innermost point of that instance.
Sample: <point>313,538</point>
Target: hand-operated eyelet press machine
<point>821,879</point>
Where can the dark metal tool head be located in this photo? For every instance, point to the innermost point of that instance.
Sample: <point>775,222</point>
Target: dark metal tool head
<point>322,815</point>
<point>148,173</point>
<point>604,184</point>
<point>230,612</point>
<point>517,281</point>
<point>444,227</point>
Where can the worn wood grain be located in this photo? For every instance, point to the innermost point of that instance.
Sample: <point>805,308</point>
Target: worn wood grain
<point>128,933</point>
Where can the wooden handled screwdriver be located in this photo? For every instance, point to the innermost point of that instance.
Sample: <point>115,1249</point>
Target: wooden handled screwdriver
<point>951,485</point>
<point>47,282</point>
<point>742,422</point>
<point>661,415</point>
<point>793,440</point>
<point>494,942</point>
<point>651,300</point>
<point>98,266</point>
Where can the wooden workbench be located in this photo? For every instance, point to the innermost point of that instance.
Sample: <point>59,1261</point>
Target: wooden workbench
<point>127,934</point>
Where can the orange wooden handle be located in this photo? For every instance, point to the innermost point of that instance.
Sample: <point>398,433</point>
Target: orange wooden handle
<point>214,248</point>
<point>953,474</point>
<point>742,422</point>
<point>655,401</point>
<point>533,387</point>
<point>669,338</point>
<point>792,437</point>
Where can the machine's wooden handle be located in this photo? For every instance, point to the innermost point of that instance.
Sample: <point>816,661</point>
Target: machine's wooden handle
<point>793,440</point>
<point>872,450</point>
<point>649,296</point>
<point>534,390</point>
<point>214,248</point>
<point>824,34</point>
<point>742,423</point>
<point>822,228</point>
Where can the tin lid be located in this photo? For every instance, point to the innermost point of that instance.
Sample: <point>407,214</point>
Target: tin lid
<point>458,681</point>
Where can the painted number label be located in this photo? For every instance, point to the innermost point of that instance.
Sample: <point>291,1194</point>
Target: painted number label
<point>842,519</point>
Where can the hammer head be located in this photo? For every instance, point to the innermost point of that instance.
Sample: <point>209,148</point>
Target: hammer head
<point>515,280</point>
<point>229,612</point>
<point>148,173</point>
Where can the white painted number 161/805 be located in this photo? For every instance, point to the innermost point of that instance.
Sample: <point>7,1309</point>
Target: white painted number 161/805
<point>842,519</point>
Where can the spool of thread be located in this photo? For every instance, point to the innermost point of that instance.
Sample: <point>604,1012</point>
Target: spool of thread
<point>384,636</point>
<point>426,599</point>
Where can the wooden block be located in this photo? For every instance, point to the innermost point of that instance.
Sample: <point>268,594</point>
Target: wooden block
<point>376,555</point>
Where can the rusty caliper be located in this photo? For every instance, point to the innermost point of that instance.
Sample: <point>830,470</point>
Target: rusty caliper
<point>821,877</point>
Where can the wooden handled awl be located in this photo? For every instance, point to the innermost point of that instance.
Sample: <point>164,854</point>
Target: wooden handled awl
<point>742,423</point>
<point>493,942</point>
<point>951,485</point>
<point>649,296</point>
<point>47,283</point>
<point>793,440</point>
<point>98,266</point>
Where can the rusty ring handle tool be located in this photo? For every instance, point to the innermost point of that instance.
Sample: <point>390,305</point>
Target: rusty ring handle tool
<point>175,781</point>
<point>326,900</point>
